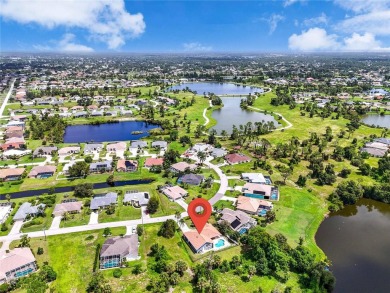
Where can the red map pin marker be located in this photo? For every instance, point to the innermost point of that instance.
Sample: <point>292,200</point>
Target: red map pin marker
<point>199,211</point>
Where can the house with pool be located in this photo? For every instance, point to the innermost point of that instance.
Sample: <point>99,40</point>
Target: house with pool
<point>260,191</point>
<point>117,250</point>
<point>209,239</point>
<point>253,206</point>
<point>16,263</point>
<point>238,220</point>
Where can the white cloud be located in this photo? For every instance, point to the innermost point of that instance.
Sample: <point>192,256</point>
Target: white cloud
<point>377,23</point>
<point>361,6</point>
<point>321,19</point>
<point>363,43</point>
<point>196,47</point>
<point>317,39</point>
<point>313,39</point>
<point>372,16</point>
<point>273,22</point>
<point>104,20</point>
<point>66,44</point>
<point>291,2</point>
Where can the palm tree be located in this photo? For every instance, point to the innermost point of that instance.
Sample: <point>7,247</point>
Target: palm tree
<point>201,156</point>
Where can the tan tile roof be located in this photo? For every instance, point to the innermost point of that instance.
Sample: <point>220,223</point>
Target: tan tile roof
<point>14,259</point>
<point>198,240</point>
<point>11,172</point>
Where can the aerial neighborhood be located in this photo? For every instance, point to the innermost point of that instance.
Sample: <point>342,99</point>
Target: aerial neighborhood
<point>99,162</point>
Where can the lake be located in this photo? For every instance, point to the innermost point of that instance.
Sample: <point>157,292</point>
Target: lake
<point>107,131</point>
<point>357,242</point>
<point>377,120</point>
<point>232,114</point>
<point>218,88</point>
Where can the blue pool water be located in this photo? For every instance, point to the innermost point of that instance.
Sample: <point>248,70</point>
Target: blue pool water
<point>220,243</point>
<point>243,230</point>
<point>111,264</point>
<point>23,273</point>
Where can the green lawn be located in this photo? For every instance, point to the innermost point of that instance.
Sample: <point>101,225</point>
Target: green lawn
<point>71,256</point>
<point>122,213</point>
<point>298,214</point>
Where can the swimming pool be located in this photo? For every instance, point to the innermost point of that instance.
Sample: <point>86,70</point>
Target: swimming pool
<point>220,243</point>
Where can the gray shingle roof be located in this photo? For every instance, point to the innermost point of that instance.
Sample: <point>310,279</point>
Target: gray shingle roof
<point>141,197</point>
<point>27,209</point>
<point>105,200</point>
<point>126,246</point>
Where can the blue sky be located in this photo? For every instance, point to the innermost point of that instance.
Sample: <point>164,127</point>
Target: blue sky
<point>194,26</point>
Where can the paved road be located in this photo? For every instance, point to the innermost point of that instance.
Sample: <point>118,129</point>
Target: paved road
<point>90,227</point>
<point>7,98</point>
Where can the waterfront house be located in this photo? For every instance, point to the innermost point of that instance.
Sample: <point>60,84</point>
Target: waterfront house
<point>11,174</point>
<point>126,113</point>
<point>111,113</point>
<point>80,114</point>
<point>97,167</point>
<point>260,191</point>
<point>204,241</point>
<point>71,207</point>
<point>14,143</point>
<point>102,201</point>
<point>42,171</point>
<point>238,220</point>
<point>16,263</point>
<point>160,144</point>
<point>174,192</point>
<point>233,159</point>
<point>97,113</point>
<point>127,166</point>
<point>93,147</point>
<point>135,198</point>
<point>116,147</point>
<point>252,205</point>
<point>45,151</point>
<point>191,179</point>
<point>138,144</point>
<point>181,167</point>
<point>28,210</point>
<point>151,162</point>
<point>116,250</point>
<point>5,211</point>
<point>70,150</point>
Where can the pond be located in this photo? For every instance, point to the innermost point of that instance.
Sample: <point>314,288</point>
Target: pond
<point>357,242</point>
<point>377,120</point>
<point>119,131</point>
<point>232,114</point>
<point>218,88</point>
<point>37,192</point>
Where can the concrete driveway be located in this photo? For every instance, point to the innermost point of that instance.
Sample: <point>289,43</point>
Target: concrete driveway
<point>182,203</point>
<point>94,218</point>
<point>16,227</point>
<point>56,222</point>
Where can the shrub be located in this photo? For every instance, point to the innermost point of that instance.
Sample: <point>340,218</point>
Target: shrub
<point>40,250</point>
<point>117,273</point>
